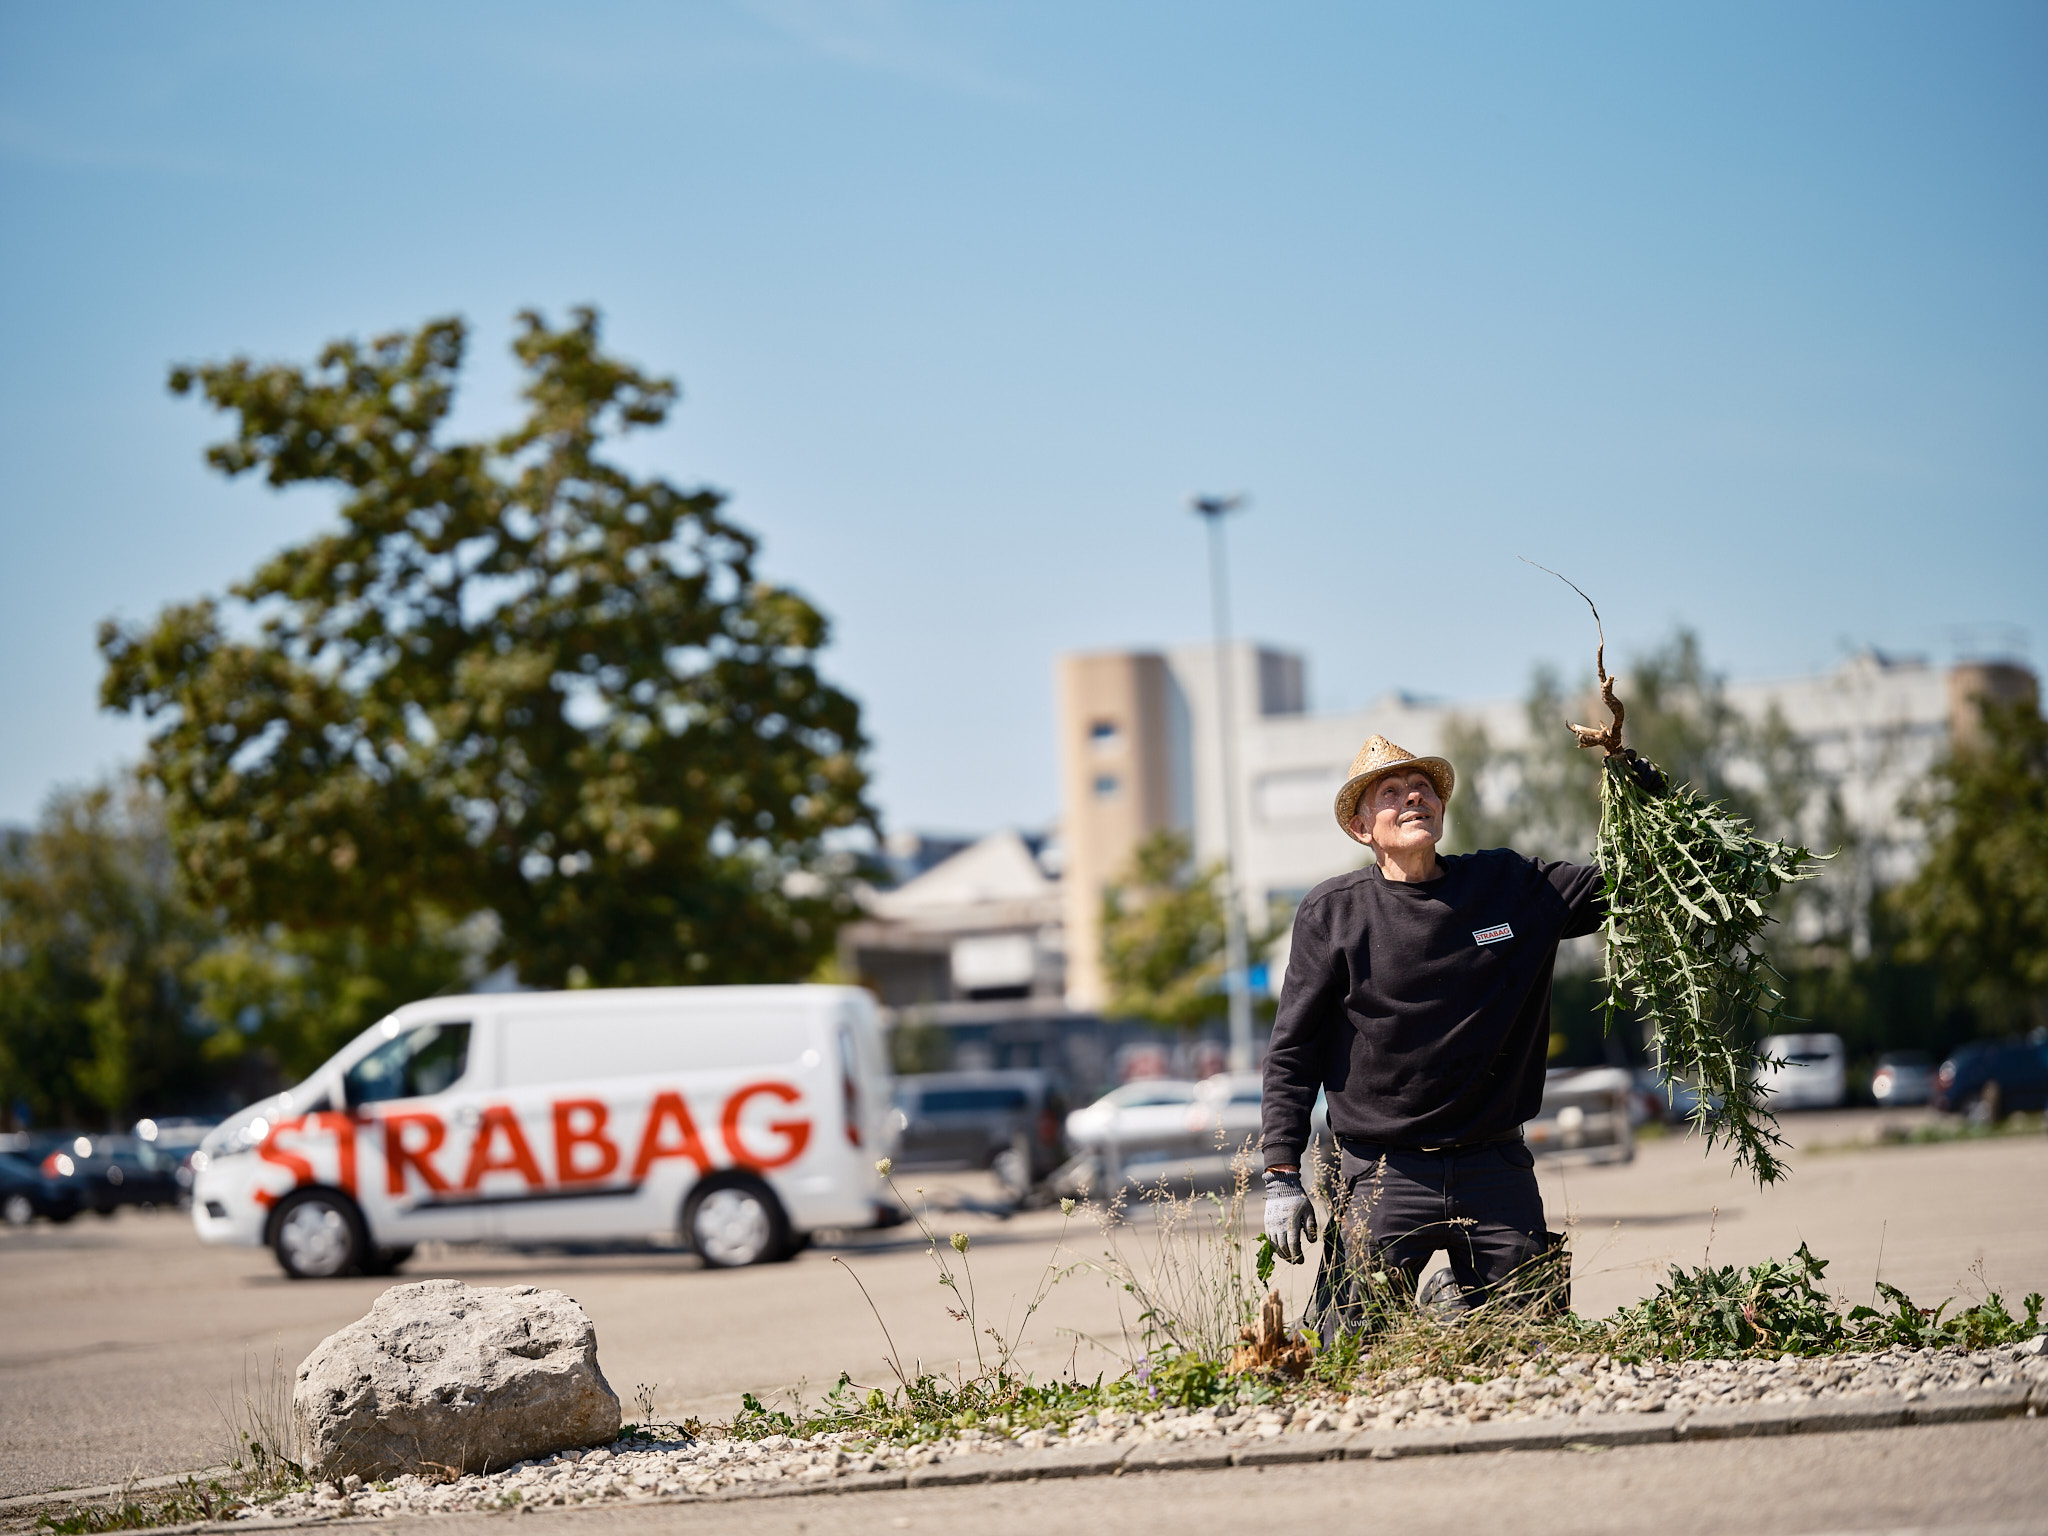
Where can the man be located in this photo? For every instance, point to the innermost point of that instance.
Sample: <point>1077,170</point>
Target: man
<point>1418,999</point>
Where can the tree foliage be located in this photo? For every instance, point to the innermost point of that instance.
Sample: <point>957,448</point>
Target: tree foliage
<point>1978,909</point>
<point>1163,935</point>
<point>292,999</point>
<point>98,1014</point>
<point>516,679</point>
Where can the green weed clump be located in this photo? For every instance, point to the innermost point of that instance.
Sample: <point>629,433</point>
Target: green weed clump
<point>934,1406</point>
<point>1778,1307</point>
<point>1728,1312</point>
<point>187,1502</point>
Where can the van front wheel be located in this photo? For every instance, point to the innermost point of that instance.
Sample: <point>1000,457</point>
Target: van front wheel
<point>732,1220</point>
<point>318,1234</point>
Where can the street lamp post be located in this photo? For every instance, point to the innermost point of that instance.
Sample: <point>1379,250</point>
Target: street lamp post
<point>1237,984</point>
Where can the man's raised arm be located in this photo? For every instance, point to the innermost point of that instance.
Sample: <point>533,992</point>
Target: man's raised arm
<point>1309,997</point>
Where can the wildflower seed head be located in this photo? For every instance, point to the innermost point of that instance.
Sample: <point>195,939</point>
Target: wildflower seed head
<point>883,1166</point>
<point>1066,1205</point>
<point>959,1242</point>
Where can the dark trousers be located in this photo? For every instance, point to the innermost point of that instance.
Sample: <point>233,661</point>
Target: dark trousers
<point>1397,1206</point>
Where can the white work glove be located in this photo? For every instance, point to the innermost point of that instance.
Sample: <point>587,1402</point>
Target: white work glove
<point>1289,1214</point>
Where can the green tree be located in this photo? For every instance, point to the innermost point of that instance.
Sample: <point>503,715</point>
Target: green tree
<point>1163,936</point>
<point>515,680</point>
<point>294,999</point>
<point>1541,796</point>
<point>1978,909</point>
<point>98,1009</point>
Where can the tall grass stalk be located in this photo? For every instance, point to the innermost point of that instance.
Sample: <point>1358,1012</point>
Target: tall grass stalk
<point>1187,1267</point>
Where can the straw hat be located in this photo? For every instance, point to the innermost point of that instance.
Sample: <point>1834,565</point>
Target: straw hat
<point>1378,758</point>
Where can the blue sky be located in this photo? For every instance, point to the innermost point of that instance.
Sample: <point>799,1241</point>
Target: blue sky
<point>1736,313</point>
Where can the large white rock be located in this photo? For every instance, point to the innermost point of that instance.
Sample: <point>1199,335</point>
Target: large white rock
<point>443,1375</point>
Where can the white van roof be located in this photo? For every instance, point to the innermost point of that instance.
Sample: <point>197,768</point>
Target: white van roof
<point>811,998</point>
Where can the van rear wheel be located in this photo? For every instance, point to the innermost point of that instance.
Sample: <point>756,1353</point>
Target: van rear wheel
<point>318,1234</point>
<point>733,1220</point>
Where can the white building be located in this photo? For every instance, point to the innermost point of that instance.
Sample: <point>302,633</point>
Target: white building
<point>1140,751</point>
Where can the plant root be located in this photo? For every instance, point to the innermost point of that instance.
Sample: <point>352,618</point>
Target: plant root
<point>1266,1347</point>
<point>1590,736</point>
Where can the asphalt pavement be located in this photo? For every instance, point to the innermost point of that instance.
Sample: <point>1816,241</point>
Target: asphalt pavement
<point>126,1347</point>
<point>1956,1480</point>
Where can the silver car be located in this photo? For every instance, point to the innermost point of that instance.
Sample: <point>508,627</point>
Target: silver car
<point>1586,1109</point>
<point>1902,1077</point>
<point>1169,1128</point>
<point>1815,1074</point>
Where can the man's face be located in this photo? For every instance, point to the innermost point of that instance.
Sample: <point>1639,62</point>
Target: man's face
<point>1400,811</point>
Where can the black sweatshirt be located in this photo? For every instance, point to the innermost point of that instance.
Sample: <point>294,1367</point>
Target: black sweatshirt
<point>1423,1011</point>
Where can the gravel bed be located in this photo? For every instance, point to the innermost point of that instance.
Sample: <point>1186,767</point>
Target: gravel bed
<point>1585,1386</point>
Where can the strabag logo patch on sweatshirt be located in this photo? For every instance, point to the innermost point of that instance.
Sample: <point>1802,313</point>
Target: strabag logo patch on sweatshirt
<point>1494,934</point>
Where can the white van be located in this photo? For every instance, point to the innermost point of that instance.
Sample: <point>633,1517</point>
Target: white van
<point>749,1116</point>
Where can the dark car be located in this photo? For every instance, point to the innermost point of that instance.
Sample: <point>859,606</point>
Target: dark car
<point>1010,1121</point>
<point>113,1171</point>
<point>26,1192</point>
<point>34,1146</point>
<point>1988,1079</point>
<point>171,1143</point>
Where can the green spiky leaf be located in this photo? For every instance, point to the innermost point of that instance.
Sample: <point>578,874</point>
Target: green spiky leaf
<point>1687,888</point>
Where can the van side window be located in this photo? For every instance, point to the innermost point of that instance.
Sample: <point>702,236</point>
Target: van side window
<point>963,1101</point>
<point>419,1062</point>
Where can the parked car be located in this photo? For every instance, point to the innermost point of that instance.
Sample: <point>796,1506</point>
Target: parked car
<point>1158,1128</point>
<point>1989,1079</point>
<point>1814,1074</point>
<point>1673,1099</point>
<point>744,1117</point>
<point>1008,1120</point>
<point>1648,1104</point>
<point>34,1146</point>
<point>1228,1111</point>
<point>26,1192</point>
<point>1135,1122</point>
<point>113,1171</point>
<point>1902,1077</point>
<point>175,1141</point>
<point>1586,1109</point>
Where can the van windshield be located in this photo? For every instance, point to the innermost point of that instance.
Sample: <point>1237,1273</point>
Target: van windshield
<point>421,1061</point>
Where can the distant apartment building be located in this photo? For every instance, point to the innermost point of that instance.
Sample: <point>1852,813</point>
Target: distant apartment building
<point>1139,751</point>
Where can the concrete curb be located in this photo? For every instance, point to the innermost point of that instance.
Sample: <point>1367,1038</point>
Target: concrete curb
<point>1072,1461</point>
<point>1201,1455</point>
<point>109,1490</point>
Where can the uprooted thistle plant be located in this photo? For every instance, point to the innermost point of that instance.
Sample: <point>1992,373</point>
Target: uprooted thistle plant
<point>1689,887</point>
<point>1688,893</point>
